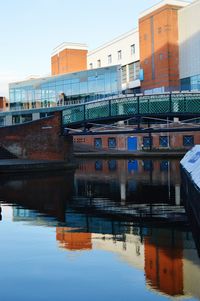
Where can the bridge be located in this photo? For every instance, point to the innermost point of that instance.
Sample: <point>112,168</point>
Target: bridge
<point>41,133</point>
<point>182,105</point>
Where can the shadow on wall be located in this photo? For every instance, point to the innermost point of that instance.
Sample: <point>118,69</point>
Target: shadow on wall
<point>38,140</point>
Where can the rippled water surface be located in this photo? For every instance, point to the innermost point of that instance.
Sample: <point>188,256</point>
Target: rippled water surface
<point>111,230</point>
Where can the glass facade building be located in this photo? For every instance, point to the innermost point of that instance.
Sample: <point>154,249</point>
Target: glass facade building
<point>191,83</point>
<point>65,89</point>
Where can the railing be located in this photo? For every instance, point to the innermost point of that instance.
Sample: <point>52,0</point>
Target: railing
<point>134,105</point>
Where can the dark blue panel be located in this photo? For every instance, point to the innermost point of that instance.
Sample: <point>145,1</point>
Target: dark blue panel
<point>132,165</point>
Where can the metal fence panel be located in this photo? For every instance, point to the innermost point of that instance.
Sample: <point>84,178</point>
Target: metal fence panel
<point>124,106</point>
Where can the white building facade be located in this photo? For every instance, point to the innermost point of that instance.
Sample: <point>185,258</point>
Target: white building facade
<point>124,51</point>
<point>189,46</point>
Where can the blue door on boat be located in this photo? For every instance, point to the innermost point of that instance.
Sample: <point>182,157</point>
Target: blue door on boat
<point>132,143</point>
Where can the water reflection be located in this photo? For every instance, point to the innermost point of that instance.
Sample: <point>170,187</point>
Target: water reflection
<point>127,207</point>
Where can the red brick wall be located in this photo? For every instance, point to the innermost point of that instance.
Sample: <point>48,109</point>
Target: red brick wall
<point>3,103</point>
<point>38,140</point>
<point>164,268</point>
<point>159,38</point>
<point>176,140</point>
<point>69,60</point>
<point>73,240</point>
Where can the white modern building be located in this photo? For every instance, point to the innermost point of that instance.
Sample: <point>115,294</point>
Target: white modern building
<point>189,46</point>
<point>124,51</point>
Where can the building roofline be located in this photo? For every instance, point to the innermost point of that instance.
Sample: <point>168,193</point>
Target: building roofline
<point>121,37</point>
<point>69,45</point>
<point>160,4</point>
<point>194,2</point>
<point>60,75</point>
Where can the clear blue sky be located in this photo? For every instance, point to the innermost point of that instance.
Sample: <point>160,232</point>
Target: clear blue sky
<point>30,29</point>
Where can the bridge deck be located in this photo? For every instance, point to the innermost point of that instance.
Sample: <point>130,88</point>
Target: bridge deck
<point>135,106</point>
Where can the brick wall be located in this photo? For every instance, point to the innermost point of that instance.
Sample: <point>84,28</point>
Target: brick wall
<point>175,140</point>
<point>3,103</point>
<point>69,60</point>
<point>38,140</point>
<point>159,51</point>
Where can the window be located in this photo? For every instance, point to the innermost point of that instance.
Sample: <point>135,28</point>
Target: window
<point>15,119</point>
<point>161,56</point>
<point>112,142</point>
<point>164,165</point>
<point>91,66</point>
<point>26,118</point>
<point>148,165</point>
<point>164,141</point>
<point>133,49</point>
<point>188,140</point>
<point>109,59</point>
<point>98,143</point>
<point>112,165</point>
<point>98,165</point>
<point>124,74</point>
<point>147,142</point>
<point>119,55</point>
<point>134,69</point>
<point>99,63</point>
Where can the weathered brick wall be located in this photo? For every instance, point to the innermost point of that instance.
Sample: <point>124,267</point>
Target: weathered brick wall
<point>176,140</point>
<point>38,140</point>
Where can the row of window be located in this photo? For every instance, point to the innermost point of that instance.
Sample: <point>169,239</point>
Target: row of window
<point>160,56</point>
<point>158,31</point>
<point>111,143</point>
<point>119,57</point>
<point>132,165</point>
<point>191,83</point>
<point>84,85</point>
<point>133,72</point>
<point>164,141</point>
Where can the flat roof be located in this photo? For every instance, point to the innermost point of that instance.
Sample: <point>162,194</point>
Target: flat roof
<point>49,77</point>
<point>69,45</point>
<point>115,40</point>
<point>161,4</point>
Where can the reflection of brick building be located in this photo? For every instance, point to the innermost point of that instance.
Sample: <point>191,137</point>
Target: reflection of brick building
<point>73,240</point>
<point>164,268</point>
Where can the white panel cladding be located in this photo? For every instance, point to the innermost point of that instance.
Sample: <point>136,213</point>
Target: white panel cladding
<point>123,44</point>
<point>189,40</point>
<point>191,163</point>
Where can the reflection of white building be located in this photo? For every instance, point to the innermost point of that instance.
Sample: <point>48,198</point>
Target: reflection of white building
<point>136,254</point>
<point>130,250</point>
<point>191,272</point>
<point>170,263</point>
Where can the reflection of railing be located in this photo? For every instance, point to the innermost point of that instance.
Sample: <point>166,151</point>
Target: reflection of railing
<point>177,103</point>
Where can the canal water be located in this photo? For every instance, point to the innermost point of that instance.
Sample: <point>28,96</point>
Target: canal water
<point>110,230</point>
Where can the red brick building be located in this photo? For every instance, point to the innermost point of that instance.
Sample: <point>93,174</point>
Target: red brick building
<point>159,48</point>
<point>68,58</point>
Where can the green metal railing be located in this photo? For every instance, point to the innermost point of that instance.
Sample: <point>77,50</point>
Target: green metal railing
<point>130,106</point>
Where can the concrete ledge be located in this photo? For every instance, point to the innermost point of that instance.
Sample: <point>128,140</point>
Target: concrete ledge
<point>26,166</point>
<point>125,154</point>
